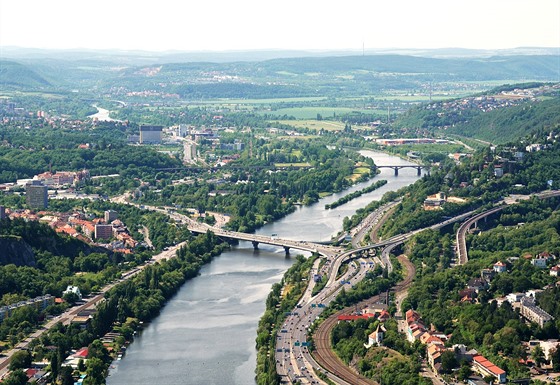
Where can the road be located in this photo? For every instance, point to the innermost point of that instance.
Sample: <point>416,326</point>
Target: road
<point>89,303</point>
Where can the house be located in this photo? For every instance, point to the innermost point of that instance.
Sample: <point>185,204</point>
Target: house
<point>376,337</point>
<point>539,261</point>
<point>487,368</point>
<point>477,284</point>
<point>384,316</point>
<point>554,270</point>
<point>487,274</point>
<point>73,289</point>
<point>500,267</point>
<point>434,202</point>
<point>434,354</point>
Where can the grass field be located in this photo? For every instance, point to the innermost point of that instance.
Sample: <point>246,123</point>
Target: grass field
<point>316,125</point>
<point>229,102</point>
<point>311,112</point>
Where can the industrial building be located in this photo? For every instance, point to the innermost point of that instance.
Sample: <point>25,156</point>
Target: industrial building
<point>150,134</point>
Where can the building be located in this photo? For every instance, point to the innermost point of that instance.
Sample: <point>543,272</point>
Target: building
<point>533,313</point>
<point>189,151</point>
<point>150,134</point>
<point>40,303</point>
<point>36,195</point>
<point>110,216</point>
<point>498,171</point>
<point>435,201</point>
<point>103,231</point>
<point>376,337</point>
<point>539,261</point>
<point>500,267</point>
<point>73,289</point>
<point>487,368</point>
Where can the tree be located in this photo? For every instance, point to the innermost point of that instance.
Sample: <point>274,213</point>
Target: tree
<point>448,361</point>
<point>96,371</point>
<point>464,372</point>
<point>555,358</point>
<point>20,360</point>
<point>17,377</point>
<point>66,375</point>
<point>538,355</point>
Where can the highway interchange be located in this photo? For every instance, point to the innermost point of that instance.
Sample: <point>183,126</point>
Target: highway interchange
<point>294,362</point>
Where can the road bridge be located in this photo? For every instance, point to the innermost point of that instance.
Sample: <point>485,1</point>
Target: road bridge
<point>255,239</point>
<point>397,168</point>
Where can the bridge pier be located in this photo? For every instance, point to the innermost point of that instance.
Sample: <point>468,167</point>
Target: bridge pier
<point>396,171</point>
<point>255,245</point>
<point>287,250</point>
<point>419,171</point>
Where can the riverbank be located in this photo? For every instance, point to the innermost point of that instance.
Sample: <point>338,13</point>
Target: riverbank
<point>206,332</point>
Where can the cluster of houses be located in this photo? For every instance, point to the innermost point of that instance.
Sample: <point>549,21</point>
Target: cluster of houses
<point>83,227</point>
<point>525,302</point>
<point>435,347</point>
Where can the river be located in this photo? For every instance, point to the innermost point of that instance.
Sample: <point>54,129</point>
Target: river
<point>205,334</point>
<point>102,115</point>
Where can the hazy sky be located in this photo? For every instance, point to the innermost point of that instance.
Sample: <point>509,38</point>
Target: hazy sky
<point>215,25</point>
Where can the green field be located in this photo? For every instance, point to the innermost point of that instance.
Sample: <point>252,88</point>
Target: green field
<point>317,125</point>
<point>326,112</point>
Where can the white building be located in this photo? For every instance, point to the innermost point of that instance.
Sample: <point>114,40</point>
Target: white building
<point>73,289</point>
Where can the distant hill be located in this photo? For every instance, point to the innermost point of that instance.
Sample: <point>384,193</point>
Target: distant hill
<point>16,75</point>
<point>338,75</point>
<point>496,116</point>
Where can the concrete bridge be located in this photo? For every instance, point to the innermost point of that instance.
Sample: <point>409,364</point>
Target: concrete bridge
<point>397,168</point>
<point>255,239</point>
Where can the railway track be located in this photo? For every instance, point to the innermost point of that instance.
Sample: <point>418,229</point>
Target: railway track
<point>325,355</point>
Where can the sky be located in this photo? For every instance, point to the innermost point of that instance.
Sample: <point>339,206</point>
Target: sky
<point>227,25</point>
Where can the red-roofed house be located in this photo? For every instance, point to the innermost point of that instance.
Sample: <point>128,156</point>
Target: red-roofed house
<point>487,368</point>
<point>384,316</point>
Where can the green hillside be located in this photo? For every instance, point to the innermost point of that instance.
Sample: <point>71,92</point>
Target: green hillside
<point>16,75</point>
<point>498,116</point>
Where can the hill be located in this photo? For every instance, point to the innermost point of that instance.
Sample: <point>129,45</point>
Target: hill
<point>499,116</point>
<point>16,75</point>
<point>337,75</point>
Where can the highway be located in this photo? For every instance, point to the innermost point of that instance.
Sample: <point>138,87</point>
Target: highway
<point>294,362</point>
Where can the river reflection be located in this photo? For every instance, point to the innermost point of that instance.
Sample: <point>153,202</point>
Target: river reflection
<point>206,333</point>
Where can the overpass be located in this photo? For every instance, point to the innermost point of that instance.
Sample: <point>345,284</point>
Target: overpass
<point>460,237</point>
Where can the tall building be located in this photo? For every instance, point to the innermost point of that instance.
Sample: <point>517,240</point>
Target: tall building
<point>110,216</point>
<point>150,134</point>
<point>36,195</point>
<point>189,151</point>
<point>103,231</point>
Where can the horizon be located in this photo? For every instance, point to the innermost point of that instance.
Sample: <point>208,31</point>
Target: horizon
<point>222,26</point>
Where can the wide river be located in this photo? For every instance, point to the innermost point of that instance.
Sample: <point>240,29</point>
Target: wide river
<point>205,335</point>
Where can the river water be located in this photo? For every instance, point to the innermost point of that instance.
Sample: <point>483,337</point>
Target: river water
<point>205,334</point>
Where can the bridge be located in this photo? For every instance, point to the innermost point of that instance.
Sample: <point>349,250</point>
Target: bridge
<point>274,168</point>
<point>460,237</point>
<point>255,239</point>
<point>397,168</point>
